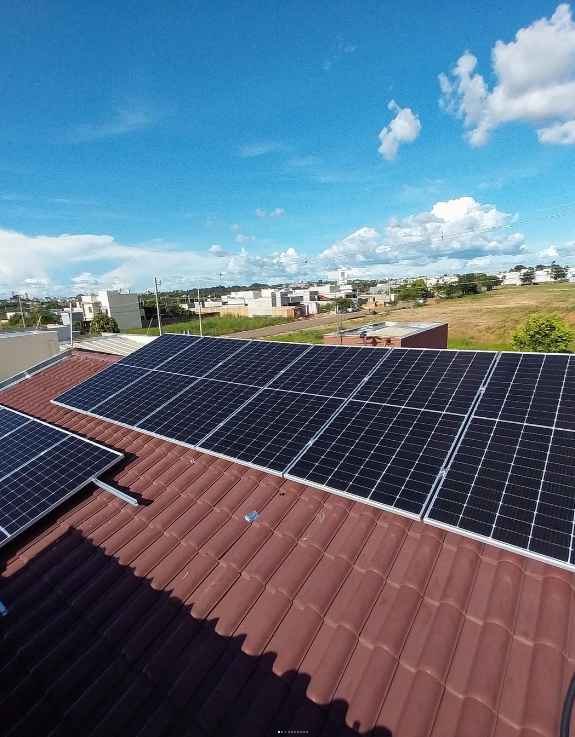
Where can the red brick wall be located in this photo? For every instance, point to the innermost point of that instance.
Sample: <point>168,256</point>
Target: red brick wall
<point>431,338</point>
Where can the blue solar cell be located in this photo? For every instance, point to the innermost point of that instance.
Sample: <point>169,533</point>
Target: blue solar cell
<point>155,353</point>
<point>89,393</point>
<point>328,370</point>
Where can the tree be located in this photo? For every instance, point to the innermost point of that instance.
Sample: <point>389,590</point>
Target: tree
<point>543,333</point>
<point>519,267</point>
<point>102,323</point>
<point>527,277</point>
<point>341,303</point>
<point>488,281</point>
<point>558,272</point>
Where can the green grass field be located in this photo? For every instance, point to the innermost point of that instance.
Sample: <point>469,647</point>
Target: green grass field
<point>224,325</point>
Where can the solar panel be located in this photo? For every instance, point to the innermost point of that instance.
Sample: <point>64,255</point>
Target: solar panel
<point>428,379</point>
<point>155,353</point>
<point>142,397</point>
<point>196,411</point>
<point>271,429</point>
<point>89,393</point>
<point>40,467</point>
<point>9,421</point>
<point>330,370</point>
<point>531,387</point>
<point>258,362</point>
<point>201,356</point>
<point>381,454</point>
<point>512,485</point>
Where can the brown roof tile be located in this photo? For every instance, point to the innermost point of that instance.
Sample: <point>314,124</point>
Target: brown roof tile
<point>179,617</point>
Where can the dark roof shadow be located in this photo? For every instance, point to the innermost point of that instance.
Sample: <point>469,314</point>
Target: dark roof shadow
<point>91,649</point>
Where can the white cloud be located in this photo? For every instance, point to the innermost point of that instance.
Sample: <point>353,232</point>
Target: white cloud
<point>275,213</point>
<point>129,119</point>
<point>68,264</point>
<point>218,251</point>
<point>245,238</point>
<point>535,83</point>
<point>458,231</point>
<point>236,227</point>
<point>404,128</point>
<point>550,252</point>
<point>558,133</point>
<point>276,265</point>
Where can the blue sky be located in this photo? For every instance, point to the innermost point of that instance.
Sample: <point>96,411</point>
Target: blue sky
<point>135,136</point>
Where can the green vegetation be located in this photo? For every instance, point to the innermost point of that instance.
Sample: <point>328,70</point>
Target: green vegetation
<point>224,325</point>
<point>469,344</point>
<point>528,277</point>
<point>101,323</point>
<point>341,303</point>
<point>417,290</point>
<point>315,335</point>
<point>544,334</point>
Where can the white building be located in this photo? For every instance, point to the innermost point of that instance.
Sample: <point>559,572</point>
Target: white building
<point>513,278</point>
<point>124,308</point>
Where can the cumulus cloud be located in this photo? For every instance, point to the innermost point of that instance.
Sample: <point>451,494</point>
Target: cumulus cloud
<point>236,227</point>
<point>550,252</point>
<point>457,231</point>
<point>277,212</point>
<point>218,251</point>
<point>276,265</point>
<point>245,238</point>
<point>535,83</point>
<point>68,264</point>
<point>404,128</point>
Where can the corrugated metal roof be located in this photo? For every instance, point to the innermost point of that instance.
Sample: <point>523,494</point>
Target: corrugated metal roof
<point>118,345</point>
<point>324,616</point>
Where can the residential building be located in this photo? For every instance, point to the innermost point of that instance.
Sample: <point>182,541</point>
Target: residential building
<point>288,302</point>
<point>123,307</point>
<point>390,334</point>
<point>325,616</point>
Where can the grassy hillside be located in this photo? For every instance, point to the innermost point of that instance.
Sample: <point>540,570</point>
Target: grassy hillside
<point>481,321</point>
<point>216,325</point>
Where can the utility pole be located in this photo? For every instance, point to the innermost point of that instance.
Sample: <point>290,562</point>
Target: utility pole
<point>22,311</point>
<point>200,313</point>
<point>337,321</point>
<point>156,282</point>
<point>71,327</point>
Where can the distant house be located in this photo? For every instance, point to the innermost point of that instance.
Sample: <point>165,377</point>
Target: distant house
<point>124,308</point>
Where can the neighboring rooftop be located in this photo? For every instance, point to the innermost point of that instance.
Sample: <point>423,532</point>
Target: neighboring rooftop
<point>113,343</point>
<point>324,616</point>
<point>395,334</point>
<point>388,328</point>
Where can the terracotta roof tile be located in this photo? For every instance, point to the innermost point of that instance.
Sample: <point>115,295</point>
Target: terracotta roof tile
<point>179,617</point>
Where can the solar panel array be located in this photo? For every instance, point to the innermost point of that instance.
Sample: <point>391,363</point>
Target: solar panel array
<point>375,425</point>
<point>476,442</point>
<point>511,480</point>
<point>40,467</point>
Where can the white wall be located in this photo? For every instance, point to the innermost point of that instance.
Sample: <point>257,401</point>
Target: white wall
<point>19,352</point>
<point>124,308</point>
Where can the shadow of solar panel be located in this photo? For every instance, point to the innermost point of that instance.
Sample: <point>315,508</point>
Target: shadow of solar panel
<point>380,454</point>
<point>330,370</point>
<point>94,390</point>
<point>428,379</point>
<point>512,485</point>
<point>529,387</point>
<point>198,410</point>
<point>155,353</point>
<point>271,429</point>
<point>258,362</point>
